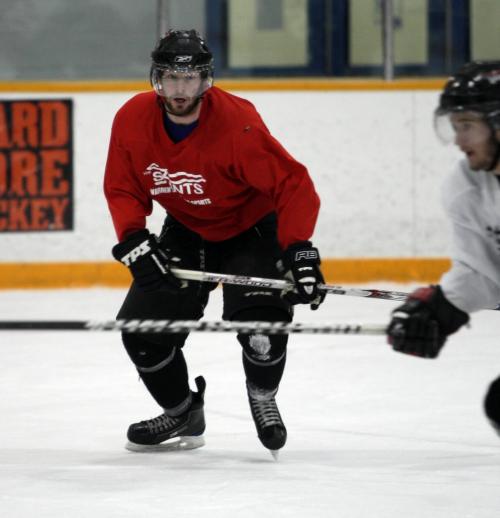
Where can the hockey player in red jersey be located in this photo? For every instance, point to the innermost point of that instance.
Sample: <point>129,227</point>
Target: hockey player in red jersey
<point>469,114</point>
<point>236,202</point>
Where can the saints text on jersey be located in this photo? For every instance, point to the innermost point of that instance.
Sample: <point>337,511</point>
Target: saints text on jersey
<point>179,182</point>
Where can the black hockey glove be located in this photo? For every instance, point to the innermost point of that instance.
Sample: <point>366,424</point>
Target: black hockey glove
<point>300,265</point>
<point>422,324</point>
<point>150,266</point>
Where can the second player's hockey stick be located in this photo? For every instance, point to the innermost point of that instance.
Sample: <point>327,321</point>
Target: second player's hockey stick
<point>186,326</point>
<point>280,284</point>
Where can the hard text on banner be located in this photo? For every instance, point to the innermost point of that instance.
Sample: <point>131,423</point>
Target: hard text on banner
<point>36,165</point>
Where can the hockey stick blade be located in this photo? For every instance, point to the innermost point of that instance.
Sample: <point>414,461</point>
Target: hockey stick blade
<point>280,284</point>
<point>186,326</point>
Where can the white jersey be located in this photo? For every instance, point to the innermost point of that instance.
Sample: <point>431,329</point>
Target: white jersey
<point>472,202</point>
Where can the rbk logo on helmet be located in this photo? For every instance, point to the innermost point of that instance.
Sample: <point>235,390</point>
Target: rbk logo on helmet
<point>183,59</point>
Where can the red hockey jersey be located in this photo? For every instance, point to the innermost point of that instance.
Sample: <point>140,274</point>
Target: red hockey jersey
<point>219,181</point>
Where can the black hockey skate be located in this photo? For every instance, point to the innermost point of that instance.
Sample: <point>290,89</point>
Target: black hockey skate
<point>270,427</point>
<point>166,433</point>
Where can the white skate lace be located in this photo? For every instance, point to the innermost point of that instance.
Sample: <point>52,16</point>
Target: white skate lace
<point>266,412</point>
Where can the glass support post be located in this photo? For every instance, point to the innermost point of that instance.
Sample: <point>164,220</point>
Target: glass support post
<point>388,39</point>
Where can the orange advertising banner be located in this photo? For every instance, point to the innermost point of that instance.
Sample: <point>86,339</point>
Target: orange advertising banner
<point>36,165</point>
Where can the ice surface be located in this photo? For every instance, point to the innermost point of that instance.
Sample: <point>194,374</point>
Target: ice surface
<point>371,433</point>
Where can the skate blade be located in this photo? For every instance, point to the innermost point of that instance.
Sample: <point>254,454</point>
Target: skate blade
<point>190,442</point>
<point>275,454</point>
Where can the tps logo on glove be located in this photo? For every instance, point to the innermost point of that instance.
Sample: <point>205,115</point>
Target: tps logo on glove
<point>135,253</point>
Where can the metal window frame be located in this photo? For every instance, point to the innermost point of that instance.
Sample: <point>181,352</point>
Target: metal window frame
<point>217,36</point>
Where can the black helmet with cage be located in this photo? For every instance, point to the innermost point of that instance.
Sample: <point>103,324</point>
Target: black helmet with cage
<point>181,51</point>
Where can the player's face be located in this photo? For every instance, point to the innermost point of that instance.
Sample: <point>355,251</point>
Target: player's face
<point>474,138</point>
<point>181,91</point>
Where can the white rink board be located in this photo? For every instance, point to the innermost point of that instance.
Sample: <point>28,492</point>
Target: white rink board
<point>374,158</point>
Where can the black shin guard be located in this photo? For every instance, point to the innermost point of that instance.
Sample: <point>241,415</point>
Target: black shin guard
<point>162,369</point>
<point>264,356</point>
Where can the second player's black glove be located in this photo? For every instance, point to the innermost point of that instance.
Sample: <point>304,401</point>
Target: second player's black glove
<point>148,263</point>
<point>300,265</point>
<point>422,324</point>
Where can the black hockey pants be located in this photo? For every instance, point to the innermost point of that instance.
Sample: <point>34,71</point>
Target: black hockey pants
<point>159,358</point>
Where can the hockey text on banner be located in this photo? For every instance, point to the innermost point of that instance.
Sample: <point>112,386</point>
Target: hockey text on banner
<point>36,165</point>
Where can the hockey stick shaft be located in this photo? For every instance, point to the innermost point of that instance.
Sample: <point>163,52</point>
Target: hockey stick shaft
<point>186,326</point>
<point>280,284</point>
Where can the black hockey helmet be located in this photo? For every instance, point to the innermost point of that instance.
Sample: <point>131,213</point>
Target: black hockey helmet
<point>181,51</point>
<point>476,88</point>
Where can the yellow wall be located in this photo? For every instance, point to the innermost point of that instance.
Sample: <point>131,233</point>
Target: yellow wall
<point>336,271</point>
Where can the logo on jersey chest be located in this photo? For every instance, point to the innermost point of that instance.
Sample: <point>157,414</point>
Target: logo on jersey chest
<point>179,182</point>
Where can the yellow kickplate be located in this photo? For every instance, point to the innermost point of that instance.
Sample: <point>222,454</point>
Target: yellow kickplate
<point>336,271</point>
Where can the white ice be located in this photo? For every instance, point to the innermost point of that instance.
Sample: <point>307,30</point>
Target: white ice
<point>371,433</point>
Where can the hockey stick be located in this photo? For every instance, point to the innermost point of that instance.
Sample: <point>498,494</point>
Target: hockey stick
<point>280,284</point>
<point>185,326</point>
